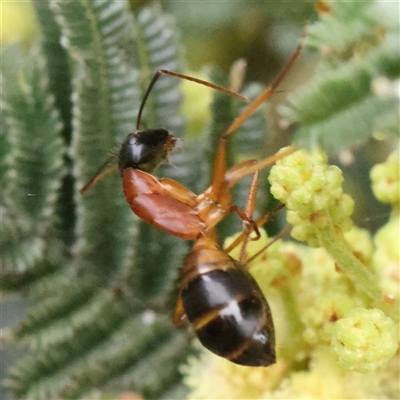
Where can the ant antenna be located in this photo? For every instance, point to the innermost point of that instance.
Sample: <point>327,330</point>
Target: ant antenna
<point>98,175</point>
<point>188,78</point>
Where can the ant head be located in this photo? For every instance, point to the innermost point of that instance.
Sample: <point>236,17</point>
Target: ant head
<point>145,150</point>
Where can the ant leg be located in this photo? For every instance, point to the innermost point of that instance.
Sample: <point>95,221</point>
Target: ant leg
<point>179,316</point>
<point>251,202</point>
<point>219,174</point>
<point>280,235</point>
<point>233,175</point>
<point>249,211</point>
<point>243,238</point>
<point>264,96</point>
<point>258,223</point>
<point>246,216</point>
<point>247,221</point>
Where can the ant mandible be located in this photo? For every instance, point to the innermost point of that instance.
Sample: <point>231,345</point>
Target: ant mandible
<point>219,297</point>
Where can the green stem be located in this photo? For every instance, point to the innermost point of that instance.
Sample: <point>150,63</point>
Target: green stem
<point>337,246</point>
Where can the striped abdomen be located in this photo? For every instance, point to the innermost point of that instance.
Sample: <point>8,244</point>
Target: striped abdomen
<point>228,311</point>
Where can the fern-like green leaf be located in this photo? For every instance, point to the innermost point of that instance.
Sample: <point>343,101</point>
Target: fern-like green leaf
<point>59,73</point>
<point>105,100</point>
<point>33,165</point>
<point>36,150</point>
<point>352,24</point>
<point>57,64</point>
<point>98,330</point>
<point>342,106</point>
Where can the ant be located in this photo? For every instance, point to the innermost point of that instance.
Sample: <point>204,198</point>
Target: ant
<point>217,294</point>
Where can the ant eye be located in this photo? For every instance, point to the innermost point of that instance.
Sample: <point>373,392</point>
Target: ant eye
<point>145,150</point>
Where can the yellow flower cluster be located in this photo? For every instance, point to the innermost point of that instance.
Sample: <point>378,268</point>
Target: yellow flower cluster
<point>364,339</point>
<point>334,339</point>
<point>386,180</point>
<point>312,192</point>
